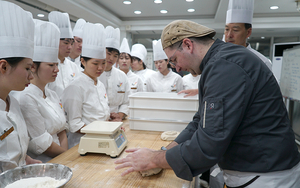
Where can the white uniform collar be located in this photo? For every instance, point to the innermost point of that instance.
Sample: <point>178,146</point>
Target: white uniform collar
<point>36,89</point>
<point>89,79</point>
<point>160,75</point>
<point>2,105</point>
<point>129,73</point>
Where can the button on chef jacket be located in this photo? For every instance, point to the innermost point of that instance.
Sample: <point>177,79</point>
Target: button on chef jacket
<point>45,118</point>
<point>190,82</point>
<point>117,88</point>
<point>84,102</point>
<point>135,82</point>
<point>67,72</point>
<point>14,146</point>
<point>172,82</point>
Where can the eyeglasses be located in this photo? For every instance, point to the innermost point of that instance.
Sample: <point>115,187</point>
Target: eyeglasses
<point>170,61</point>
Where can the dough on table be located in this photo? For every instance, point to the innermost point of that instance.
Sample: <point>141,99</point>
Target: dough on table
<point>150,172</point>
<point>169,135</point>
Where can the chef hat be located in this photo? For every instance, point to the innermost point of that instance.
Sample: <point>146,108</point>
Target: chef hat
<point>139,50</point>
<point>63,23</point>
<point>46,42</point>
<point>240,11</point>
<point>78,28</point>
<point>124,48</point>
<point>17,31</point>
<point>93,45</point>
<point>112,37</point>
<point>158,52</point>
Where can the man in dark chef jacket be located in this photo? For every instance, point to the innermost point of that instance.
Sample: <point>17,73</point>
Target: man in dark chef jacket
<point>242,123</point>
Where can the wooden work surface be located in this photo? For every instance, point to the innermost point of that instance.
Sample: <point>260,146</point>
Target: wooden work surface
<point>98,170</point>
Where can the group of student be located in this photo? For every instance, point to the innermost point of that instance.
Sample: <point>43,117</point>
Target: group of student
<point>55,80</point>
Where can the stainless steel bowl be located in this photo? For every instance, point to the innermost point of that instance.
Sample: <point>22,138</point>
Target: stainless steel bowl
<point>56,171</point>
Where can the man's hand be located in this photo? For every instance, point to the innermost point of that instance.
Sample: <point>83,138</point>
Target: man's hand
<point>139,159</point>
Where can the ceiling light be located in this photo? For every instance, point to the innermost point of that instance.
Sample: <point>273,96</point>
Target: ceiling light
<point>137,12</point>
<point>164,11</point>
<point>157,1</point>
<point>191,10</point>
<point>262,37</point>
<point>274,7</point>
<point>189,0</point>
<point>127,2</point>
<point>41,15</point>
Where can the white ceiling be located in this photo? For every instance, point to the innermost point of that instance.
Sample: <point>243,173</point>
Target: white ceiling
<point>147,26</point>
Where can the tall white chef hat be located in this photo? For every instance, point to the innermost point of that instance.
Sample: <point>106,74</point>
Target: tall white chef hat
<point>158,52</point>
<point>240,11</point>
<point>112,37</point>
<point>46,42</point>
<point>17,31</point>
<point>124,48</point>
<point>62,21</point>
<point>78,28</point>
<point>93,45</point>
<point>139,50</point>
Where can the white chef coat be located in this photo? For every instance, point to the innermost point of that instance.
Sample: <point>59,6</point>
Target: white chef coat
<point>262,57</point>
<point>117,88</point>
<point>144,74</point>
<point>67,72</point>
<point>14,146</point>
<point>45,118</point>
<point>77,62</point>
<point>172,82</point>
<point>84,102</point>
<point>135,82</point>
<point>279,179</point>
<point>190,82</point>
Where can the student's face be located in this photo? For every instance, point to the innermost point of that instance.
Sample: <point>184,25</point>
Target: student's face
<point>111,59</point>
<point>65,47</point>
<point>19,76</point>
<point>77,46</point>
<point>93,67</point>
<point>236,33</point>
<point>47,72</point>
<point>136,65</point>
<point>124,61</point>
<point>161,65</point>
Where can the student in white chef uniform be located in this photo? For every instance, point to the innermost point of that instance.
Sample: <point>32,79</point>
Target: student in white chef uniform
<point>85,99</point>
<point>165,80</point>
<point>115,80</point>
<point>125,60</point>
<point>190,85</point>
<point>16,52</point>
<point>67,69</point>
<point>77,46</point>
<point>40,106</point>
<point>139,54</point>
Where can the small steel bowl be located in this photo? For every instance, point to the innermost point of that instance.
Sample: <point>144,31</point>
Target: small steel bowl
<point>56,171</point>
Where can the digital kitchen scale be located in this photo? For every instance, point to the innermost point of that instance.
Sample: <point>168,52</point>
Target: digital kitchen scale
<point>103,137</point>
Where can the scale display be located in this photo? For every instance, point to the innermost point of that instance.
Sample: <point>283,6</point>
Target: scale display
<point>120,140</point>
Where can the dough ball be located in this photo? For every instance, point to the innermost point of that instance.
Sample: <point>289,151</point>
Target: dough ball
<point>169,135</point>
<point>150,172</point>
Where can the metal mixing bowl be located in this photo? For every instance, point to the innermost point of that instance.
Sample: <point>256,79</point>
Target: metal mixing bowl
<point>56,171</point>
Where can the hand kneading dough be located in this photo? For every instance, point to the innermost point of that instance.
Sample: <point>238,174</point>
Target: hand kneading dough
<point>169,135</point>
<point>150,172</point>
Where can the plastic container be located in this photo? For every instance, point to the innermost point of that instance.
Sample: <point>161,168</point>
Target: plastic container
<point>157,125</point>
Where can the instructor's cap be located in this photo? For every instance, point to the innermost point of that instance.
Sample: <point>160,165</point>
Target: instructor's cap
<point>240,11</point>
<point>180,29</point>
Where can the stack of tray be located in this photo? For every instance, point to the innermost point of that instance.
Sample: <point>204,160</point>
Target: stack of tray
<point>155,111</point>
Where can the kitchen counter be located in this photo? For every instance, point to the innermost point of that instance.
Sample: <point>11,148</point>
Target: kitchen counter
<point>98,170</point>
